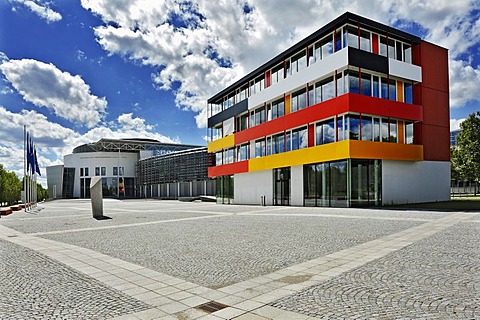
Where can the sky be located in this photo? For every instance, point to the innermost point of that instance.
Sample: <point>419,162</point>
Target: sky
<point>76,71</point>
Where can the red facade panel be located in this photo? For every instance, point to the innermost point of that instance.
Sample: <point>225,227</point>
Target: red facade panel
<point>228,169</point>
<point>375,43</point>
<point>433,94</point>
<point>345,103</point>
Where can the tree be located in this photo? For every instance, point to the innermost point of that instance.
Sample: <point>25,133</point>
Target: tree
<point>10,187</point>
<point>466,152</point>
<point>41,192</point>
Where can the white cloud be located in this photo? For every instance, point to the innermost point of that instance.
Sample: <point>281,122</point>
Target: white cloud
<point>53,141</point>
<point>212,43</point>
<point>45,85</point>
<point>464,80</point>
<point>42,9</point>
<point>455,124</point>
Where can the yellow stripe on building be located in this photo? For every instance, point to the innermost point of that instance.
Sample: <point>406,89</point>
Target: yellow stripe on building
<point>222,143</point>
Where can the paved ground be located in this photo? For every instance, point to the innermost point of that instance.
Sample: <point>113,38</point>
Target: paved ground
<point>163,259</point>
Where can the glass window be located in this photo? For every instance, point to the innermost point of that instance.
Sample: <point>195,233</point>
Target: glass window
<point>269,146</point>
<point>325,132</point>
<point>376,87</point>
<point>242,152</point>
<point>376,129</point>
<point>366,84</point>
<point>260,148</point>
<point>276,74</point>
<point>393,131</point>
<point>391,48</point>
<point>367,130</point>
<point>392,88</point>
<point>299,100</point>
<point>229,156</point>
<point>97,171</point>
<point>399,51</point>
<point>218,158</point>
<point>407,53</point>
<point>383,46</point>
<point>310,56</point>
<point>299,61</point>
<point>242,94</point>
<point>278,143</point>
<point>86,172</point>
<point>354,126</point>
<point>299,138</point>
<point>242,122</point>
<point>120,171</point>
<point>257,117</point>
<point>338,40</point>
<point>115,171</point>
<point>104,171</point>
<point>409,132</point>
<point>340,84</point>
<point>81,172</point>
<point>340,128</point>
<point>288,69</point>
<point>408,92</point>
<point>328,89</point>
<point>384,129</point>
<point>384,89</point>
<point>350,34</point>
<point>353,81</point>
<point>288,141</point>
<point>324,48</point>
<point>311,96</point>
<point>257,85</point>
<point>365,41</point>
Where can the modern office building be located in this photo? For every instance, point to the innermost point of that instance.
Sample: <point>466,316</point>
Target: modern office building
<point>355,114</point>
<point>117,162</point>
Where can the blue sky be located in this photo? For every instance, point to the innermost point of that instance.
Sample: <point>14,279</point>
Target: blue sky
<point>75,71</point>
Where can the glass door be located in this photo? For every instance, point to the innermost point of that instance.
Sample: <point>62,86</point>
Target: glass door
<point>281,181</point>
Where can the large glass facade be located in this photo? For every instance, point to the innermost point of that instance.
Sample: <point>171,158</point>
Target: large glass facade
<point>281,190</point>
<point>345,183</point>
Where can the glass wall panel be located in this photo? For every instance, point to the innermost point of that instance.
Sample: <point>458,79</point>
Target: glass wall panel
<point>353,81</point>
<point>299,100</point>
<point>384,88</point>
<point>393,131</point>
<point>376,87</point>
<point>340,129</point>
<point>311,96</point>
<point>366,84</point>
<point>288,141</point>
<point>278,143</point>
<point>329,131</point>
<point>224,189</point>
<point>383,46</point>
<point>228,156</point>
<point>391,48</point>
<point>407,53</point>
<point>338,184</point>
<point>408,92</point>
<point>260,148</point>
<point>281,192</point>
<point>219,158</point>
<point>367,128</point>
<point>354,125</point>
<point>338,40</point>
<point>365,41</point>
<point>341,84</point>
<point>399,51</point>
<point>276,74</point>
<point>350,37</point>
<point>409,132</point>
<point>365,182</point>
<point>376,129</point>
<point>242,152</point>
<point>392,90</point>
<point>384,129</point>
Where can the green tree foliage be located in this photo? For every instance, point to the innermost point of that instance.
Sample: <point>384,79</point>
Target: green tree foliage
<point>10,187</point>
<point>466,153</point>
<point>41,192</point>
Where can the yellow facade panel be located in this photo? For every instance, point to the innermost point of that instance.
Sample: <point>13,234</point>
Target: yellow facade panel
<point>287,104</point>
<point>336,151</point>
<point>323,153</point>
<point>400,91</point>
<point>385,151</point>
<point>222,143</point>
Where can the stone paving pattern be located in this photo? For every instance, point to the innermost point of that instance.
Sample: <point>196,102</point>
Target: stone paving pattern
<point>33,286</point>
<point>161,259</point>
<point>436,278</point>
<point>223,250</point>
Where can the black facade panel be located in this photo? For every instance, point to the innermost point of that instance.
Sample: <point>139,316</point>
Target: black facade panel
<point>367,60</point>
<point>234,110</point>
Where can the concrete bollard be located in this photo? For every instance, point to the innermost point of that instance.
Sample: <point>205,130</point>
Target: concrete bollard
<point>96,197</point>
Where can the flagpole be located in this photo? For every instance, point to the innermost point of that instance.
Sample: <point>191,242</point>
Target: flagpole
<point>25,167</point>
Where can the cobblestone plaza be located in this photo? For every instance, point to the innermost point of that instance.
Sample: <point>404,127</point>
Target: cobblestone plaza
<point>165,259</point>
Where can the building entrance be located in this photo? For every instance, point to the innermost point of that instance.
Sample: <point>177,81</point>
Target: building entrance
<point>281,190</point>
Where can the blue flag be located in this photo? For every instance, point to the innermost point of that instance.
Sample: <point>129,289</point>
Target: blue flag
<point>37,167</point>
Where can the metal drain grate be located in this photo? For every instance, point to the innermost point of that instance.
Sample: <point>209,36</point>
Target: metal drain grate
<point>211,306</point>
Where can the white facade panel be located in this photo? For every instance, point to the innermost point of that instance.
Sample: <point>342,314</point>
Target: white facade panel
<point>413,182</point>
<point>404,70</point>
<point>228,126</point>
<point>249,187</point>
<point>296,185</point>
<point>91,160</point>
<point>313,72</point>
